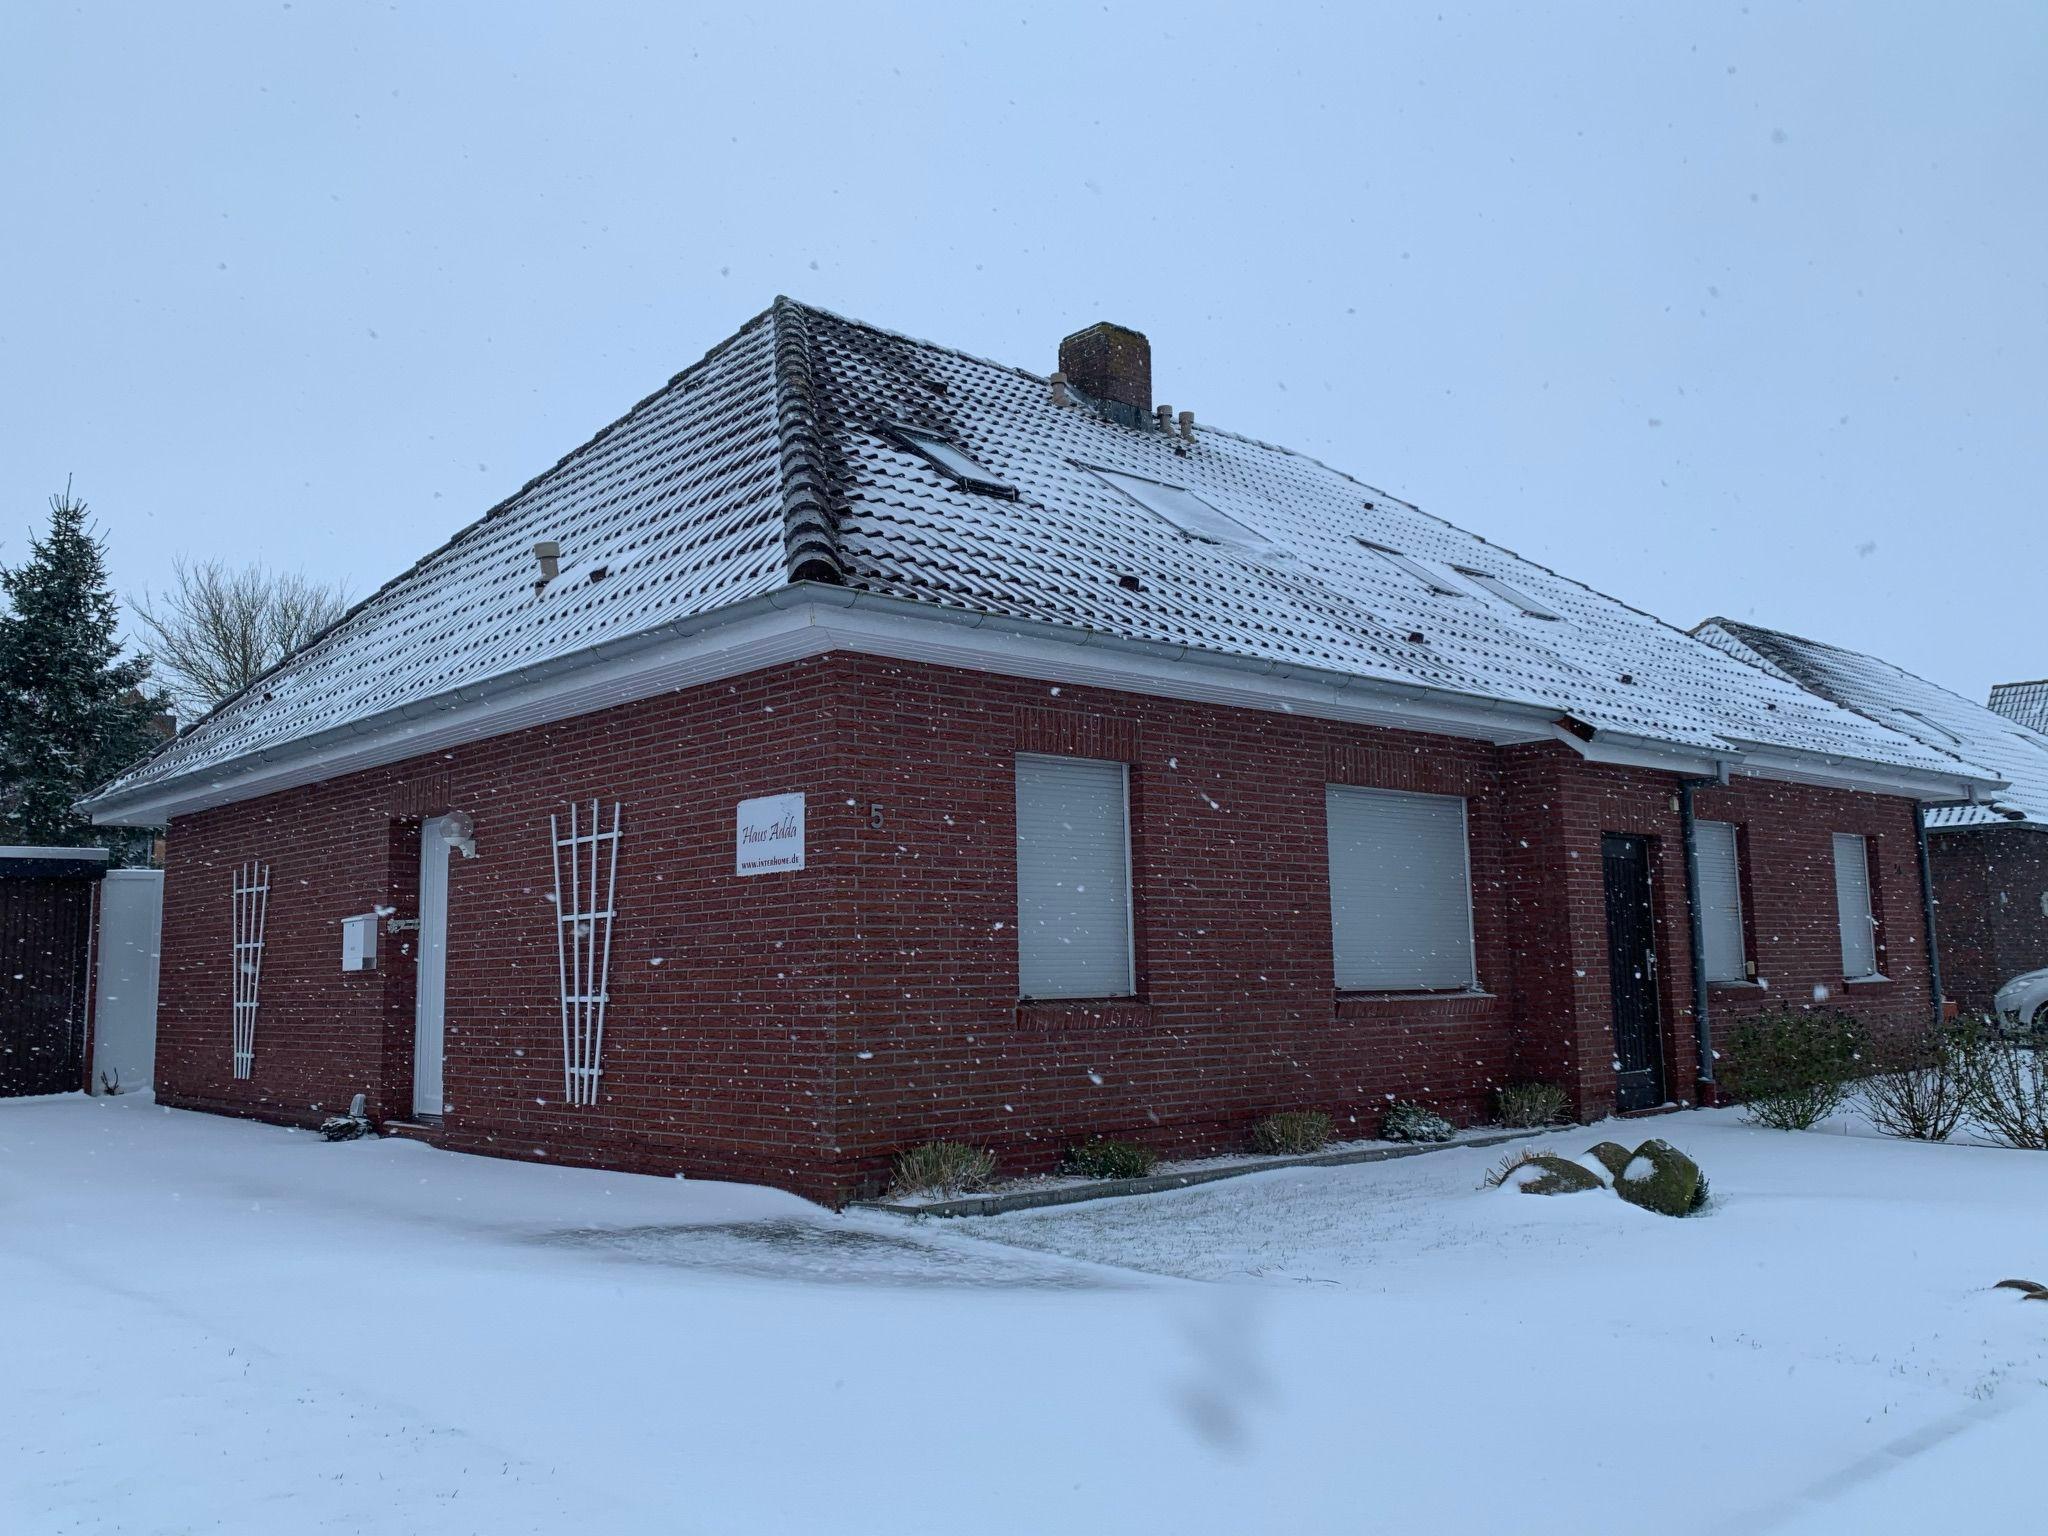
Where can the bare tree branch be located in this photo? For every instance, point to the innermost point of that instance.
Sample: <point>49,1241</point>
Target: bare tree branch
<point>218,629</point>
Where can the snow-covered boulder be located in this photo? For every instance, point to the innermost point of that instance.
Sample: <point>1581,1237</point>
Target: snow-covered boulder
<point>1661,1178</point>
<point>1611,1155</point>
<point>1545,1173</point>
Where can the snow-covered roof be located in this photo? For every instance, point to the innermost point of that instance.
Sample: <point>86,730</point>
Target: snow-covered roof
<point>1895,697</point>
<point>2024,702</point>
<point>781,457</point>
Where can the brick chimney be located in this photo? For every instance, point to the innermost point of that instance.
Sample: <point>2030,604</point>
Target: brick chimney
<point>1111,365</point>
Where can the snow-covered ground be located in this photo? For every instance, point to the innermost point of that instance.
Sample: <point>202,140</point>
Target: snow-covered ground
<point>214,1326</point>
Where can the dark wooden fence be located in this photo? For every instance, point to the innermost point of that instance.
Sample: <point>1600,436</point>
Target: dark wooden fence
<point>46,914</point>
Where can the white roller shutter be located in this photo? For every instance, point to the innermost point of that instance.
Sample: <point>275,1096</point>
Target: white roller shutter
<point>1720,902</point>
<point>1073,878</point>
<point>1400,890</point>
<point>1852,905</point>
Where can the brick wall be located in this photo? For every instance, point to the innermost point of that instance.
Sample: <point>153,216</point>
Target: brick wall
<point>1567,808</point>
<point>1236,1015</point>
<point>800,1028</point>
<point>715,1049</point>
<point>1990,884</point>
<point>1786,848</point>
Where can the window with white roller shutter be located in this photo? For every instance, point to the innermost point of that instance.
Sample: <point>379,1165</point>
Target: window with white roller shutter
<point>1852,906</point>
<point>1720,869</point>
<point>1400,890</point>
<point>1073,878</point>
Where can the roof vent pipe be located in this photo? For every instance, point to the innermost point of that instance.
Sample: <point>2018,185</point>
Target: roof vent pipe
<point>1165,415</point>
<point>1187,426</point>
<point>549,554</point>
<point>1060,393</point>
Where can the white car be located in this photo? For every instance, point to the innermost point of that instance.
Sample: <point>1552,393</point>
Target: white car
<point>2024,1000</point>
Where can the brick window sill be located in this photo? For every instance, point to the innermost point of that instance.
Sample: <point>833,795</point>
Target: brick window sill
<point>1414,997</point>
<point>1419,1008</point>
<point>1866,981</point>
<point>1737,986</point>
<point>1084,1012</point>
<point>1065,1004</point>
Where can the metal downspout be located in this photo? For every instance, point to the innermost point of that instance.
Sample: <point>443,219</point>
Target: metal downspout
<point>1702,1026</point>
<point>1927,910</point>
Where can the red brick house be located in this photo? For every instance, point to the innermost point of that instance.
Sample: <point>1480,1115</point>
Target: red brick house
<point>1988,860</point>
<point>859,743</point>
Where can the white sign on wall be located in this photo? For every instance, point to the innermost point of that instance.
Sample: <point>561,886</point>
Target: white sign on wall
<point>771,834</point>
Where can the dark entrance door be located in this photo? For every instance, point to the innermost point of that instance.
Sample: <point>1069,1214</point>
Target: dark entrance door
<point>1632,967</point>
<point>45,933</point>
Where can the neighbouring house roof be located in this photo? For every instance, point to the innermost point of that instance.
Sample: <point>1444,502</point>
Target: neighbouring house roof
<point>1895,697</point>
<point>784,466</point>
<point>26,860</point>
<point>2024,702</point>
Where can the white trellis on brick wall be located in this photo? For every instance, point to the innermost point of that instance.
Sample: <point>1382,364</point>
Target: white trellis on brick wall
<point>252,906</point>
<point>589,857</point>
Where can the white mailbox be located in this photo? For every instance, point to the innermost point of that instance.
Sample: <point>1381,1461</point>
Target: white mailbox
<point>359,942</point>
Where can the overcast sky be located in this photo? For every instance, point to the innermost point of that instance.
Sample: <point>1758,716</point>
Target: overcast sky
<point>1738,309</point>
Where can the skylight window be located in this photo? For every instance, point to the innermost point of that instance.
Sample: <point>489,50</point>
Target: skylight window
<point>1186,511</point>
<point>1917,724</point>
<point>949,460</point>
<point>1506,593</point>
<point>1430,581</point>
<point>1939,729</point>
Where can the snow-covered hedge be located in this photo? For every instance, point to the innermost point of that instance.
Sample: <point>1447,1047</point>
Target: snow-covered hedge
<point>1792,1067</point>
<point>1415,1122</point>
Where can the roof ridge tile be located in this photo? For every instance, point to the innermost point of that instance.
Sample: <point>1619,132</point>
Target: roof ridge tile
<point>809,529</point>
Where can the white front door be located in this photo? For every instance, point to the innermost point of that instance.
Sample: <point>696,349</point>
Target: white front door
<point>431,988</point>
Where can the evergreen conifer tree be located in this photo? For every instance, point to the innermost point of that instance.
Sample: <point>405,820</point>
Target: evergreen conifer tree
<point>73,713</point>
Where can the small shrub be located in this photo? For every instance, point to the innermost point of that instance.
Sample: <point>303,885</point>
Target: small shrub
<point>1792,1067</point>
<point>1525,1105</point>
<point>2007,1088</point>
<point>942,1168</point>
<point>1099,1158</point>
<point>1291,1131</point>
<point>1921,1089</point>
<point>1407,1121</point>
<point>1542,1173</point>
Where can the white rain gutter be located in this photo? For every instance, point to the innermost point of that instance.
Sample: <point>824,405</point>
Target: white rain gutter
<point>789,623</point>
<point>810,618</point>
